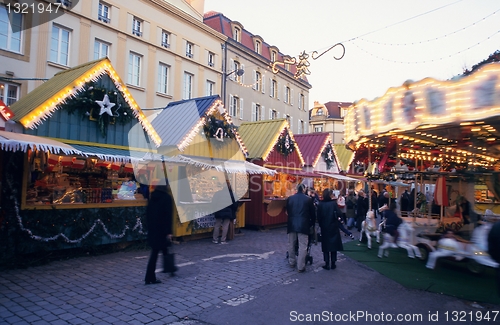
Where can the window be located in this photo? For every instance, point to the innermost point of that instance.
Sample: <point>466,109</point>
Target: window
<point>288,119</point>
<point>59,45</point>
<point>134,69</point>
<point>273,114</point>
<point>163,78</point>
<point>258,47</point>
<point>287,98</point>
<point>318,128</point>
<point>235,106</point>
<point>256,112</point>
<point>11,26</point>
<point>300,127</point>
<point>9,93</point>
<point>319,112</point>
<point>274,89</point>
<point>137,27</point>
<point>211,59</point>
<point>189,49</point>
<point>302,101</point>
<point>165,39</point>
<point>236,66</point>
<point>237,34</point>
<point>210,88</point>
<point>188,86</point>
<point>257,81</point>
<point>103,13</point>
<point>65,3</point>
<point>101,49</point>
<point>273,56</point>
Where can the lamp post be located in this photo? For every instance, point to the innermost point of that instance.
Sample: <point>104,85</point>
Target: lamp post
<point>238,72</point>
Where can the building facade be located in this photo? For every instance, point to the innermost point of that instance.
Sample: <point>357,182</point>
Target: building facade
<point>162,50</point>
<point>329,117</point>
<point>250,90</point>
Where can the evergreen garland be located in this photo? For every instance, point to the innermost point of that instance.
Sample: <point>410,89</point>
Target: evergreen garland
<point>285,144</point>
<point>328,155</point>
<point>84,104</point>
<point>212,126</point>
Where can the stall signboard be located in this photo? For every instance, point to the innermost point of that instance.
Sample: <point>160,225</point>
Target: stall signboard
<point>425,104</point>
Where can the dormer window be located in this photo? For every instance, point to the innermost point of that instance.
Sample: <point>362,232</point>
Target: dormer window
<point>274,56</point>
<point>319,112</point>
<point>237,34</point>
<point>258,47</point>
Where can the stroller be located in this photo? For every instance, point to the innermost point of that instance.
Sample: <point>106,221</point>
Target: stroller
<point>310,239</point>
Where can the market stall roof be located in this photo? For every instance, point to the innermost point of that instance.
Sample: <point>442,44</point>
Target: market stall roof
<point>261,137</point>
<point>456,120</point>
<point>38,105</point>
<point>179,122</point>
<point>344,156</point>
<point>297,172</point>
<point>312,146</point>
<point>110,154</point>
<point>10,141</point>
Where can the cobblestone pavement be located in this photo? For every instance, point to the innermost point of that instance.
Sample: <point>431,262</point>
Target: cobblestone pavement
<point>213,283</point>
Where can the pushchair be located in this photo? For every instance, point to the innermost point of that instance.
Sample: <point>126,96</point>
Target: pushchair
<point>310,240</point>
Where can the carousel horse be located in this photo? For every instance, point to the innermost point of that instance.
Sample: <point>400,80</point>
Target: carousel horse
<point>369,228</point>
<point>476,249</point>
<point>404,241</point>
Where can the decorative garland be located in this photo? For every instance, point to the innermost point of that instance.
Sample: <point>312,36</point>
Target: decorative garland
<point>98,103</point>
<point>328,155</point>
<point>285,144</point>
<point>218,129</point>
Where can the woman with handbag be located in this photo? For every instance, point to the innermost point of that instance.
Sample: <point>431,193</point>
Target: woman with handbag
<point>159,225</point>
<point>328,218</point>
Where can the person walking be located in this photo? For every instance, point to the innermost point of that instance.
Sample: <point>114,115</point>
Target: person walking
<point>361,208</point>
<point>226,215</point>
<point>328,219</point>
<point>301,217</point>
<point>340,201</point>
<point>350,212</point>
<point>159,225</point>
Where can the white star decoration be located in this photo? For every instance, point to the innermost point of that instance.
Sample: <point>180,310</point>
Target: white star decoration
<point>106,106</point>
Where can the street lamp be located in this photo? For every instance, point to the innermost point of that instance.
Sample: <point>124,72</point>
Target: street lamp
<point>238,72</point>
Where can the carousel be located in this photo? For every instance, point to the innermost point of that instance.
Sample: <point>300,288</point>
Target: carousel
<point>441,141</point>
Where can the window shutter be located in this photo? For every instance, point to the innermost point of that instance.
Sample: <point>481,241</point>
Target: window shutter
<point>263,84</point>
<point>284,94</point>
<point>242,77</point>
<point>278,115</point>
<point>278,90</point>
<point>291,123</point>
<point>254,114</point>
<point>231,77</point>
<point>254,80</point>
<point>241,108</point>
<point>271,87</point>
<point>291,97</point>
<point>262,110</point>
<point>231,105</point>
<point>270,114</point>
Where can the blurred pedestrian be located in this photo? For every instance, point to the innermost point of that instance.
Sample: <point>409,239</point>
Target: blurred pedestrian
<point>328,219</point>
<point>226,215</point>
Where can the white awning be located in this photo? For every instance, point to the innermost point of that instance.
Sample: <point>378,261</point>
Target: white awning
<point>341,177</point>
<point>10,141</point>
<point>222,165</point>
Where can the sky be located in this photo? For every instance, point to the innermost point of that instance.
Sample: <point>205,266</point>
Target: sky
<point>387,42</point>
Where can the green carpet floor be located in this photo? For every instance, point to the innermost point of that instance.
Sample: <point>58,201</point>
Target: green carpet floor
<point>449,277</point>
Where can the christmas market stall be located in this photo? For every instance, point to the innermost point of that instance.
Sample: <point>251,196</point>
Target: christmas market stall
<point>320,157</point>
<point>81,193</point>
<point>203,152</point>
<point>272,145</point>
<point>432,130</point>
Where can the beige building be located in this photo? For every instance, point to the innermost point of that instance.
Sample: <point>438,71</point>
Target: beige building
<point>162,50</point>
<point>329,117</point>
<point>251,91</point>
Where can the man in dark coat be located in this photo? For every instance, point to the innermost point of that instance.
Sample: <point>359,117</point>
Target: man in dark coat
<point>328,219</point>
<point>494,248</point>
<point>301,217</point>
<point>361,209</point>
<point>224,216</point>
<point>159,225</point>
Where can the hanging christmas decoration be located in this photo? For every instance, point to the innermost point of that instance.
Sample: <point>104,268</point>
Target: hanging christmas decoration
<point>328,155</point>
<point>285,144</point>
<point>105,105</point>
